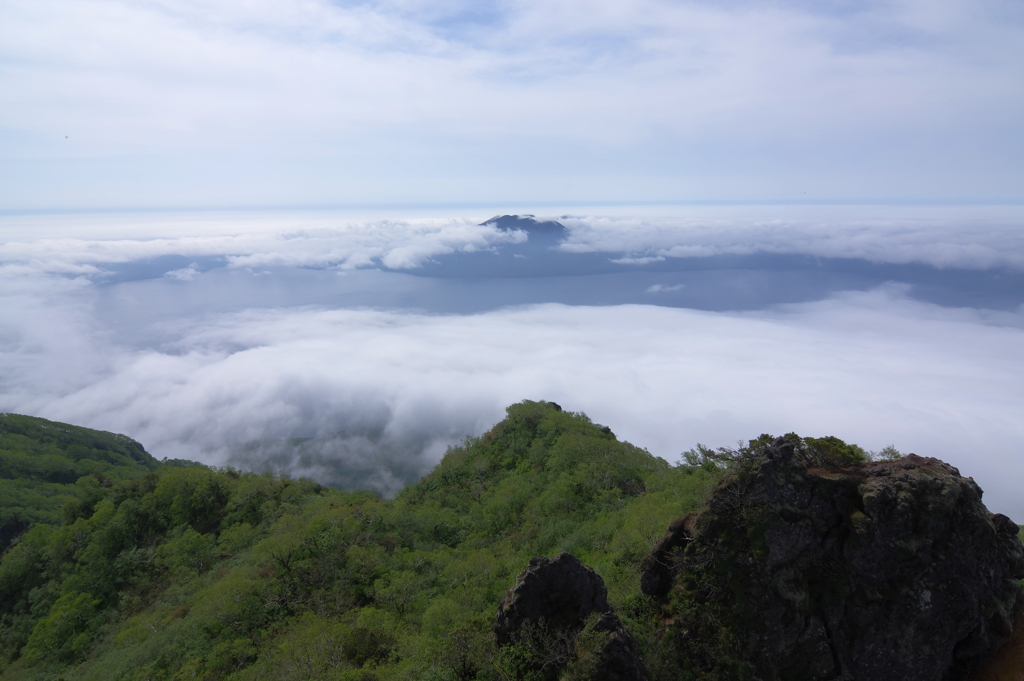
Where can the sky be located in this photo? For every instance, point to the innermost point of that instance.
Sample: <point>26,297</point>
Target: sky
<point>254,232</point>
<point>143,104</point>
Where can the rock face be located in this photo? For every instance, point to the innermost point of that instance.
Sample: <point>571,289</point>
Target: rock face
<point>547,612</point>
<point>889,570</point>
<point>657,569</point>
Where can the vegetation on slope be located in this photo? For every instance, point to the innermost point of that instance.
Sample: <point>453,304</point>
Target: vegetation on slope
<point>166,572</point>
<point>46,467</point>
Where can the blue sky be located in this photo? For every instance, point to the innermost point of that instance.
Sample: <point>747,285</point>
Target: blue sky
<point>160,104</point>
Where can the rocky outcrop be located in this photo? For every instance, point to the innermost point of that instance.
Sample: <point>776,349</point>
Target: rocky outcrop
<point>888,570</point>
<point>558,612</point>
<point>561,591</point>
<point>657,571</point>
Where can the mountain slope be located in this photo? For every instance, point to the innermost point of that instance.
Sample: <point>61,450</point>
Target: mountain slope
<point>46,467</point>
<point>200,573</point>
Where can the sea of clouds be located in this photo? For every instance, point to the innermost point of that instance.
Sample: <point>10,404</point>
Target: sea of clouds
<point>267,343</point>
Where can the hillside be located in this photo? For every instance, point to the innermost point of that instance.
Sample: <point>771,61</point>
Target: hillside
<point>201,573</point>
<point>175,572</point>
<point>47,466</point>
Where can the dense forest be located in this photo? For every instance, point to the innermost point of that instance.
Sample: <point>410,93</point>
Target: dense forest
<point>137,569</point>
<point>119,566</point>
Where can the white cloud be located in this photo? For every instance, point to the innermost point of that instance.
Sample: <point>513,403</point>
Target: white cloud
<point>345,245</point>
<point>973,238</point>
<point>184,274</point>
<point>226,367</point>
<point>644,260</point>
<point>662,288</point>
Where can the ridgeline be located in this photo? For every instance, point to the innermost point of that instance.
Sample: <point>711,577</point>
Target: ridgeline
<point>121,567</point>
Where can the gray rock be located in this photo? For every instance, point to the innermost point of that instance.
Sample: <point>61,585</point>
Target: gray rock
<point>885,571</point>
<point>548,609</point>
<point>658,568</point>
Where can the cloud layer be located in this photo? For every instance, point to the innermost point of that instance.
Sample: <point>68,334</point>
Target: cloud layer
<point>271,345</point>
<point>957,239</point>
<point>952,237</point>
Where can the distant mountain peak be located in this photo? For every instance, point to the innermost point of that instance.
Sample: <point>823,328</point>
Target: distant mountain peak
<point>528,223</point>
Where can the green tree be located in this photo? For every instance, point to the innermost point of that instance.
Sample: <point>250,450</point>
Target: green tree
<point>67,632</point>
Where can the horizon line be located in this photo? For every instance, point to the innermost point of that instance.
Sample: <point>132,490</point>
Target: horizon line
<point>434,205</point>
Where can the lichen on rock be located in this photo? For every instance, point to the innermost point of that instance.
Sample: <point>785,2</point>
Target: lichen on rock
<point>887,570</point>
<point>558,617</point>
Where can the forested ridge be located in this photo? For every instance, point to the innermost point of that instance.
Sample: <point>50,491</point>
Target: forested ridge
<point>49,468</point>
<point>158,570</point>
<point>150,570</point>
